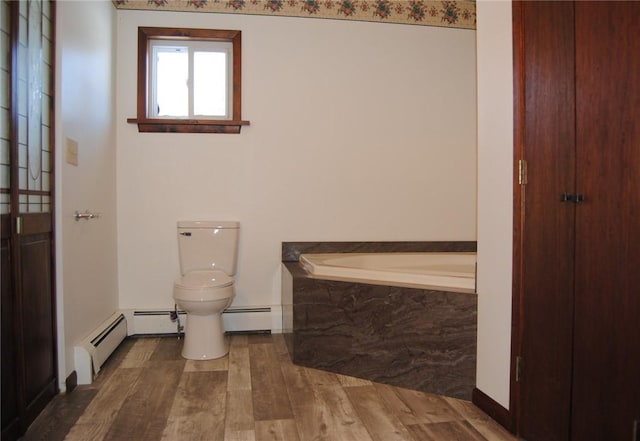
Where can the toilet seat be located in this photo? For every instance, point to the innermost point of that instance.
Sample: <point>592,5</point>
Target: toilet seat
<point>199,280</point>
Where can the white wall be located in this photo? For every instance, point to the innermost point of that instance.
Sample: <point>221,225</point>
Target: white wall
<point>495,197</point>
<point>359,131</point>
<point>367,138</point>
<point>87,280</point>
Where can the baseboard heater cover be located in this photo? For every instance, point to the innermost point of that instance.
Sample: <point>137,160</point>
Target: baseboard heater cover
<point>94,350</point>
<point>245,310</point>
<point>226,311</point>
<point>240,319</point>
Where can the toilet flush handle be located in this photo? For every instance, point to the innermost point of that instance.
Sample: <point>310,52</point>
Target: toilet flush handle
<point>186,233</point>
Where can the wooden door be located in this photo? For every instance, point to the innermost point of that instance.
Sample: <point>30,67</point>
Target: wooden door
<point>547,108</point>
<point>29,365</point>
<point>577,125</point>
<point>606,371</point>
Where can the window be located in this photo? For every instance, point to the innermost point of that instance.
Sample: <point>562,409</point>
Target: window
<point>189,81</point>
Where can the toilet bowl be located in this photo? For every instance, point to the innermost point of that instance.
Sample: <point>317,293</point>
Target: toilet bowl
<point>208,255</point>
<point>204,295</point>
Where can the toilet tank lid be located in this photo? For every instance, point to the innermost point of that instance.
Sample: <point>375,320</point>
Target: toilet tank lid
<point>208,224</point>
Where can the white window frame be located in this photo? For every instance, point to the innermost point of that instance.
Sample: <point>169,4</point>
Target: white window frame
<point>190,47</point>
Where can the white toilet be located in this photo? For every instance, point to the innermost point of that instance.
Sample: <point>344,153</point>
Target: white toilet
<point>208,256</point>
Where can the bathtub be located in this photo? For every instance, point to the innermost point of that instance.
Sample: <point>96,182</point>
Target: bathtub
<point>449,271</point>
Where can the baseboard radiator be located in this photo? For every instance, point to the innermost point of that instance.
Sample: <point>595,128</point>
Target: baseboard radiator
<point>239,319</point>
<point>94,350</point>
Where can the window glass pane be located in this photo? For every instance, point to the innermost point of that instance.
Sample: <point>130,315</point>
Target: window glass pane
<point>172,75</point>
<point>35,204</point>
<point>5,176</point>
<point>210,84</point>
<point>5,203</point>
<point>22,200</point>
<point>34,100</point>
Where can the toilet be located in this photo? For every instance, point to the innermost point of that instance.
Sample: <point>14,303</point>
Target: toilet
<point>208,256</point>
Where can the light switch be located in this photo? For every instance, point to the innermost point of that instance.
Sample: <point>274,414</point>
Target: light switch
<point>71,151</point>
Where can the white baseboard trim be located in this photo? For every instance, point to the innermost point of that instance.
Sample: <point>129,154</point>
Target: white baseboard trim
<point>238,319</point>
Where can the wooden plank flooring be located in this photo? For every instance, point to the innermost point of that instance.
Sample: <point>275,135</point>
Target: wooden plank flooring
<point>146,391</point>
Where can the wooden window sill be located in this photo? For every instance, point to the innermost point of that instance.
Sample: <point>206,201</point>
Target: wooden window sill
<point>188,125</point>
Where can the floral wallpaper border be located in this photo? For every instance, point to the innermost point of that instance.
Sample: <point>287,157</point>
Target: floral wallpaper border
<point>452,14</point>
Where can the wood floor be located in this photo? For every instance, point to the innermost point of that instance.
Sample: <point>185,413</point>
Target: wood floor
<point>146,391</point>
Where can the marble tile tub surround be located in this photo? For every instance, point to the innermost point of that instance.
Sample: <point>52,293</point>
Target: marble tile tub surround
<point>291,250</point>
<point>418,339</point>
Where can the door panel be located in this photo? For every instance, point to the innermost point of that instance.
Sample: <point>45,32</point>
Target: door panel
<point>548,233</point>
<point>606,374</point>
<point>38,309</point>
<point>29,377</point>
<point>9,381</point>
<point>580,323</point>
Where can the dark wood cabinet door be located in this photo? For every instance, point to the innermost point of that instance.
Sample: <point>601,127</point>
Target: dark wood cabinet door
<point>548,105</point>
<point>606,372</point>
<point>578,119</point>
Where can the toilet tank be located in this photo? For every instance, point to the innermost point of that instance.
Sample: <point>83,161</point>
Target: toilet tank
<point>208,245</point>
